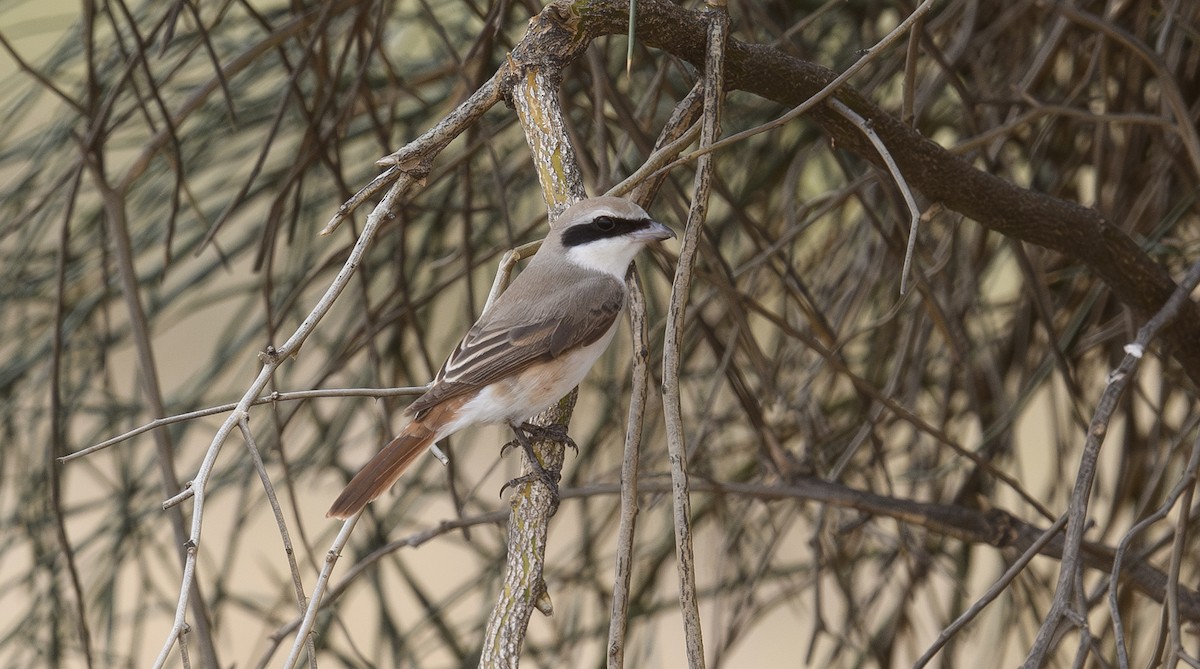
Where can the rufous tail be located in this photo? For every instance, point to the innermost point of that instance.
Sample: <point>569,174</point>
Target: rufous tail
<point>383,470</point>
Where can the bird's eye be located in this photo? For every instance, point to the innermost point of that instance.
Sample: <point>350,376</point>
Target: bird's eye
<point>604,224</point>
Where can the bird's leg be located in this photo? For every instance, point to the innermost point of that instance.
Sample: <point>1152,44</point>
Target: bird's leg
<point>537,473</point>
<point>554,432</point>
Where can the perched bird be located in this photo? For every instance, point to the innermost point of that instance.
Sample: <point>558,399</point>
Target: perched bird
<point>531,347</point>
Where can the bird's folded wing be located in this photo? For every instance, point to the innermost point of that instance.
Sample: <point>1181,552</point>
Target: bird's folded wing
<point>504,342</point>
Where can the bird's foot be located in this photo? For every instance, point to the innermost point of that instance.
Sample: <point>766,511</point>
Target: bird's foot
<point>541,475</point>
<point>537,471</point>
<point>555,432</point>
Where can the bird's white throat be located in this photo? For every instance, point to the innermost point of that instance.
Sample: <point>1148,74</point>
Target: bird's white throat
<point>611,256</point>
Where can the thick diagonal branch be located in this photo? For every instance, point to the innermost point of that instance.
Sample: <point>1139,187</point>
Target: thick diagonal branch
<point>1080,233</point>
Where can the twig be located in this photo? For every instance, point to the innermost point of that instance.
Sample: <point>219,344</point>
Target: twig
<point>416,157</point>
<point>314,604</point>
<point>996,528</point>
<point>153,147</point>
<point>632,35</point>
<point>1172,97</point>
<point>439,136</point>
<point>355,570</point>
<point>504,271</point>
<point>623,567</point>
<point>992,593</point>
<point>386,178</point>
<point>673,339</point>
<point>869,55</point>
<point>272,358</point>
<point>679,131</point>
<point>914,212</point>
<point>907,112</point>
<point>1188,485</point>
<point>1184,486</point>
<point>656,164</point>
<point>117,224</point>
<point>288,551</point>
<point>266,399</point>
<point>1118,380</point>
<point>58,429</point>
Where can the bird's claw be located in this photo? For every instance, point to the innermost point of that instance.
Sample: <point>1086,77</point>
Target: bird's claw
<point>554,432</point>
<point>539,474</point>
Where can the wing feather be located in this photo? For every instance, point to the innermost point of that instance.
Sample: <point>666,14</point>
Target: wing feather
<point>507,340</point>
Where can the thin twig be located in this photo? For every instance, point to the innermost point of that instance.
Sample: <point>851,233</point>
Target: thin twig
<point>278,396</point>
<point>623,567</point>
<point>366,562</point>
<point>907,106</point>
<point>1105,407</point>
<point>1178,549</point>
<point>117,224</point>
<point>1172,97</point>
<point>992,593</point>
<point>416,157</point>
<point>504,271</point>
<point>656,164</point>
<point>673,339</point>
<point>58,430</point>
<point>288,551</point>
<point>314,604</point>
<point>1182,487</point>
<point>272,358</point>
<point>869,55</point>
<point>914,212</point>
<point>996,528</point>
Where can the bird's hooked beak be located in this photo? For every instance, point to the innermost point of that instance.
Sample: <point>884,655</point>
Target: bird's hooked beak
<point>655,232</point>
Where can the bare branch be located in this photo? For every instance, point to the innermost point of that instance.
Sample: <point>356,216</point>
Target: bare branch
<point>673,340</point>
<point>1118,380</point>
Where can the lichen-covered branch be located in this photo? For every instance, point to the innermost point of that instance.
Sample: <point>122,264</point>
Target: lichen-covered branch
<point>523,589</point>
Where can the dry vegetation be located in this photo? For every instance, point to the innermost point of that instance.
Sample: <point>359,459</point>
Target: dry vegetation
<point>864,465</point>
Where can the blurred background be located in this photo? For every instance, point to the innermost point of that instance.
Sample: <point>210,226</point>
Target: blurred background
<point>165,169</point>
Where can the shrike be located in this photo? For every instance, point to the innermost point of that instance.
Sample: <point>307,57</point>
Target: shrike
<point>531,347</point>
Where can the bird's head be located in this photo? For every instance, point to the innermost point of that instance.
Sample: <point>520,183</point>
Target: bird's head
<point>605,233</point>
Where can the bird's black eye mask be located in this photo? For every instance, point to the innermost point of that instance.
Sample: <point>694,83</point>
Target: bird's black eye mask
<point>602,227</point>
